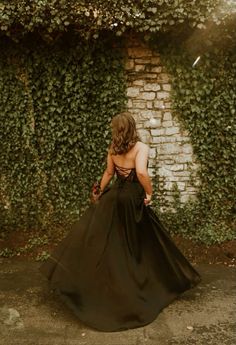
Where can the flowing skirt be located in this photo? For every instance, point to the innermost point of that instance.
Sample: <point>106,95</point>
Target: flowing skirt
<point>118,267</point>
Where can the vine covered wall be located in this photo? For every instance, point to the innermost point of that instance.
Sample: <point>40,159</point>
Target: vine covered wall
<point>57,97</point>
<point>150,101</point>
<point>204,101</point>
<point>50,18</point>
<point>56,105</point>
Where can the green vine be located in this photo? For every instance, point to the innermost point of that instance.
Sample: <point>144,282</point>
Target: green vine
<point>57,102</point>
<point>204,101</point>
<point>50,18</point>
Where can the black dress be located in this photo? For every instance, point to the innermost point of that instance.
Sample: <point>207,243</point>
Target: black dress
<point>118,268</point>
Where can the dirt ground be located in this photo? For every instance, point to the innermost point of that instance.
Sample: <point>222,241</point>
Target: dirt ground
<point>32,245</point>
<point>203,315</point>
<point>199,253</point>
<point>30,314</point>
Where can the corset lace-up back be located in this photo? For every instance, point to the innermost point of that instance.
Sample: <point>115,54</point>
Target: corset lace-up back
<point>127,174</point>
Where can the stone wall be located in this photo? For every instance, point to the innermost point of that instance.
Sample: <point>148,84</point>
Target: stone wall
<point>149,100</point>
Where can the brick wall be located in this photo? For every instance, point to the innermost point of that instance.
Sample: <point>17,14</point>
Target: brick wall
<point>149,100</point>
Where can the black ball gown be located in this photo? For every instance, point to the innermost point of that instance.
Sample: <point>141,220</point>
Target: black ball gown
<point>118,268</point>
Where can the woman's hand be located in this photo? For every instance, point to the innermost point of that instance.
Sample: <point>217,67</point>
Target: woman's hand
<point>96,192</point>
<point>148,198</point>
<point>95,197</point>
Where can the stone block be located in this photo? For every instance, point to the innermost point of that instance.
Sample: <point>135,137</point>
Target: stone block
<point>152,153</point>
<point>150,76</point>
<point>182,139</point>
<point>156,69</point>
<point>172,130</point>
<point>168,105</point>
<point>181,186</point>
<point>130,104</point>
<point>159,104</point>
<point>166,87</point>
<point>132,91</point>
<point>163,171</point>
<point>183,158</point>
<point>191,190</point>
<point>148,114</point>
<point>174,179</point>
<point>157,132</point>
<point>139,52</point>
<point>139,104</point>
<point>163,95</point>
<point>138,82</point>
<point>187,148</point>
<point>164,77</point>
<point>147,95</point>
<point>139,68</point>
<point>136,113</point>
<point>181,178</point>
<point>170,148</point>
<point>167,116</point>
<point>168,161</point>
<point>168,157</point>
<point>184,173</point>
<point>171,138</point>
<point>149,104</point>
<point>140,61</point>
<point>144,135</point>
<point>151,87</point>
<point>167,124</point>
<point>177,167</point>
<point>152,124</point>
<point>158,140</point>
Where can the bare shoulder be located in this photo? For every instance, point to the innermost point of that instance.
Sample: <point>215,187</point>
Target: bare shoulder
<point>142,147</point>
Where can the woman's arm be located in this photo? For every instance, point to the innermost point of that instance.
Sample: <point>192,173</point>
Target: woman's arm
<point>108,173</point>
<point>141,161</point>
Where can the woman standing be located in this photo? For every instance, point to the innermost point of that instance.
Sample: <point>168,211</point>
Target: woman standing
<point>118,268</point>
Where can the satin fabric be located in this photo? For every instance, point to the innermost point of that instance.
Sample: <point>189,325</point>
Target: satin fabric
<point>118,267</point>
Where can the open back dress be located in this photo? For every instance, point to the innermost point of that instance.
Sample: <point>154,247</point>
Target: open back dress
<point>118,268</point>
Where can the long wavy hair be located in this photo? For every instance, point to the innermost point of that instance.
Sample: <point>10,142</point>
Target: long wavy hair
<point>124,133</point>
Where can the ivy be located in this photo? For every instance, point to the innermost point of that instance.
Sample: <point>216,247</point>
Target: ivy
<point>58,97</point>
<point>57,103</point>
<point>204,101</point>
<point>53,17</point>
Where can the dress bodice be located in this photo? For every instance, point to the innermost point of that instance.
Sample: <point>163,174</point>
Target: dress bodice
<point>125,174</point>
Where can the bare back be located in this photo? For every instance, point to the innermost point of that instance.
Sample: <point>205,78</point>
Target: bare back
<point>126,160</point>
<point>124,164</point>
<point>134,158</point>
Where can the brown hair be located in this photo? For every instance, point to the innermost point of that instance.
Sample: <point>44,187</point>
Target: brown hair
<point>124,133</point>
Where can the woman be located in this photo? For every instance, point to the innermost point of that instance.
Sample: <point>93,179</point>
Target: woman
<point>118,268</point>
